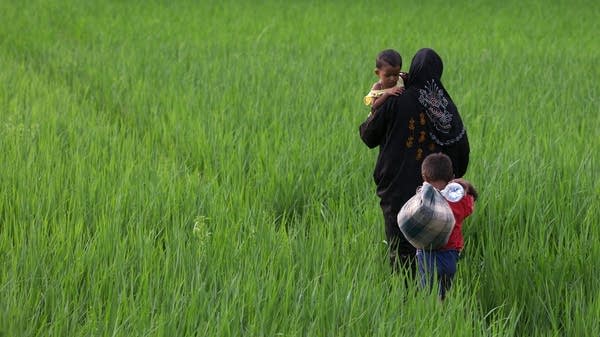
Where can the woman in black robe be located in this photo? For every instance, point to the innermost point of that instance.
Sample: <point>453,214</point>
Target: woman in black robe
<point>446,126</point>
<point>406,129</point>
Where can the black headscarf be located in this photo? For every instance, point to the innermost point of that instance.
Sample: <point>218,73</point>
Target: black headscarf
<point>425,76</point>
<point>446,126</point>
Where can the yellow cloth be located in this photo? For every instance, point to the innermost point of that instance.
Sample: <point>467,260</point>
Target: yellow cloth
<point>374,94</point>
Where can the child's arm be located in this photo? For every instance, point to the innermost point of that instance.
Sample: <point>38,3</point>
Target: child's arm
<point>394,91</point>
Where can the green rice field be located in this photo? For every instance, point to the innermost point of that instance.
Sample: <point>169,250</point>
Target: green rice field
<point>194,168</point>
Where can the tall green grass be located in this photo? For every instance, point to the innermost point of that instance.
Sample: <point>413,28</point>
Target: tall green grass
<point>176,169</point>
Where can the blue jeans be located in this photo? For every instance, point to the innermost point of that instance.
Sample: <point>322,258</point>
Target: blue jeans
<point>439,263</point>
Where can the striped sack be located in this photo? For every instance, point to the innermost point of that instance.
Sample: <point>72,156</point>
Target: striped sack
<point>426,219</point>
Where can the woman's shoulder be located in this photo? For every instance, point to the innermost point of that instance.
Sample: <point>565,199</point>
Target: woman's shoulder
<point>407,100</point>
<point>399,107</point>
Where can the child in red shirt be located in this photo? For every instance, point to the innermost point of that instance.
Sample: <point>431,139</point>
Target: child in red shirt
<point>437,171</point>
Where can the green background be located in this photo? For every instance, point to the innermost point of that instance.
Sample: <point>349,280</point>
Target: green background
<point>195,169</point>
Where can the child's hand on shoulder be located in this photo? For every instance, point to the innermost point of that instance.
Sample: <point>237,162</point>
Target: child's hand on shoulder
<point>394,91</point>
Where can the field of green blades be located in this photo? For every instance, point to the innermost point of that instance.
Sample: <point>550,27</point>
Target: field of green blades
<point>194,168</point>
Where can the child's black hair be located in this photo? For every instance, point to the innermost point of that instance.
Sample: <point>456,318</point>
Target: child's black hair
<point>389,56</point>
<point>437,166</point>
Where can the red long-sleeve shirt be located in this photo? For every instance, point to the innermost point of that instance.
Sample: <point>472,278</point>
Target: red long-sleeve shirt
<point>461,209</point>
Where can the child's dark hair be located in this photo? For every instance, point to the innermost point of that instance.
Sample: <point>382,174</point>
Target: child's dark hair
<point>437,166</point>
<point>389,56</point>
